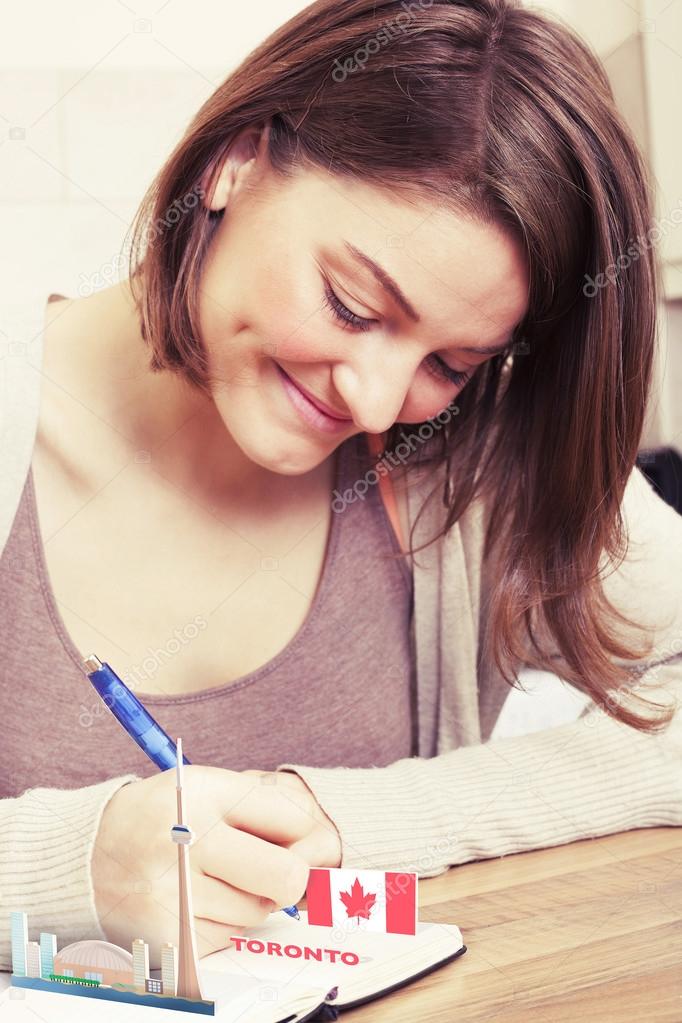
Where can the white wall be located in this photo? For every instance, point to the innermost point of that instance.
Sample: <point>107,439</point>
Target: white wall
<point>76,35</point>
<point>605,23</point>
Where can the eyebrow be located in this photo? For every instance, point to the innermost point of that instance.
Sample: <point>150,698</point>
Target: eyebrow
<point>495,350</point>
<point>388,284</point>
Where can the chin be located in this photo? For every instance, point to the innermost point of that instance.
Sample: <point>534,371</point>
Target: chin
<point>282,451</point>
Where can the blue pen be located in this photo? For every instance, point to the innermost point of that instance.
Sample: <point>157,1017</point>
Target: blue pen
<point>138,722</point>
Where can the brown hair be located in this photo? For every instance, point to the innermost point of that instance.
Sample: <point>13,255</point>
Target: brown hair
<point>502,113</point>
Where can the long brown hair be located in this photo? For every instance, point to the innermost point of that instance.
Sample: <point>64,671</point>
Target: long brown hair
<point>503,113</point>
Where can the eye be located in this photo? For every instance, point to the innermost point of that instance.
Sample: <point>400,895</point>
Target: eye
<point>438,368</point>
<point>342,313</point>
<point>350,320</point>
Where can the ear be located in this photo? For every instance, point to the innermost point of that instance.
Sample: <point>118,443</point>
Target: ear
<point>247,149</point>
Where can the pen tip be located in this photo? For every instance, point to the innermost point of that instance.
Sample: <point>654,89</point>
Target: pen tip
<point>92,663</point>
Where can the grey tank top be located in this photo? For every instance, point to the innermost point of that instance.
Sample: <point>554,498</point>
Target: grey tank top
<point>340,693</point>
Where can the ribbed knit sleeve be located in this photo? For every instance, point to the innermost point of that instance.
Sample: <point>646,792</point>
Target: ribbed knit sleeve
<point>591,777</point>
<point>46,842</point>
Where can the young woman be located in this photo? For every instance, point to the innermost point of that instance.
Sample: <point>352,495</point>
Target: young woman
<point>357,322</point>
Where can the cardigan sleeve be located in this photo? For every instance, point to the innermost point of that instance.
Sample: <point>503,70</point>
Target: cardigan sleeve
<point>46,841</point>
<point>589,777</point>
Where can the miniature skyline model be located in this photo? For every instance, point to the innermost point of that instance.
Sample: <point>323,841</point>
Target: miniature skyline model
<point>188,971</point>
<point>111,972</point>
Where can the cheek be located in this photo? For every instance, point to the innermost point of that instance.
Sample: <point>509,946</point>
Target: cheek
<point>255,303</point>
<point>288,325</point>
<point>264,329</point>
<point>296,338</point>
<point>425,400</point>
<point>299,346</point>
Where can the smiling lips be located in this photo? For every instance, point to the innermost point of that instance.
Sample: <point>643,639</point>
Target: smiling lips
<point>328,411</point>
<point>312,409</point>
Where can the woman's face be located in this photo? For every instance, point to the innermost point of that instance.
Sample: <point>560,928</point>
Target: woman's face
<point>288,303</point>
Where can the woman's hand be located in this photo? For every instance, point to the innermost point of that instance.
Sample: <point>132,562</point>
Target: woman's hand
<point>256,835</point>
<point>321,847</point>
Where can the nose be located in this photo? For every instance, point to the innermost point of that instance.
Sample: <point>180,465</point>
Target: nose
<point>374,384</point>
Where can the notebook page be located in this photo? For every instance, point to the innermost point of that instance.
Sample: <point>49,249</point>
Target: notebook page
<point>384,959</point>
<point>242,999</point>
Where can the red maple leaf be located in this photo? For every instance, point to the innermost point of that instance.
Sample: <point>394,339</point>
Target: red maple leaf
<point>357,902</point>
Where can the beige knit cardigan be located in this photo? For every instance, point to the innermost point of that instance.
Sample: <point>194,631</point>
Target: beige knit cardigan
<point>464,796</point>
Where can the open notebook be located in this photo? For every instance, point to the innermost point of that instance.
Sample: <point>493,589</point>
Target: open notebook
<point>253,987</point>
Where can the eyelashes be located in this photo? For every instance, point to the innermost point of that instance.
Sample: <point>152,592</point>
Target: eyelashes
<point>348,319</point>
<point>441,369</point>
<point>342,312</point>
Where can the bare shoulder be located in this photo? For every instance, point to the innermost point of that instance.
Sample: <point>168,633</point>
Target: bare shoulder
<point>61,419</point>
<point>57,304</point>
<point>55,312</point>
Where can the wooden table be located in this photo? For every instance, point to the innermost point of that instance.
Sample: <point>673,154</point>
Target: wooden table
<point>584,933</point>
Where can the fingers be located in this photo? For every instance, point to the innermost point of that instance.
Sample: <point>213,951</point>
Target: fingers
<point>253,865</point>
<point>260,802</point>
<point>219,901</point>
<point>271,809</point>
<point>279,776</point>
<point>320,848</point>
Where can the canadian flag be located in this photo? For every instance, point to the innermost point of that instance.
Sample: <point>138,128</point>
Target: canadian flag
<point>362,900</point>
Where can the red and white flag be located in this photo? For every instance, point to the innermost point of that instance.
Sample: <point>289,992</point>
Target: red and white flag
<point>362,900</point>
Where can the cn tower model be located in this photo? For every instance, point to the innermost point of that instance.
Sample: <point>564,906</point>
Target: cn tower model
<point>188,977</point>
